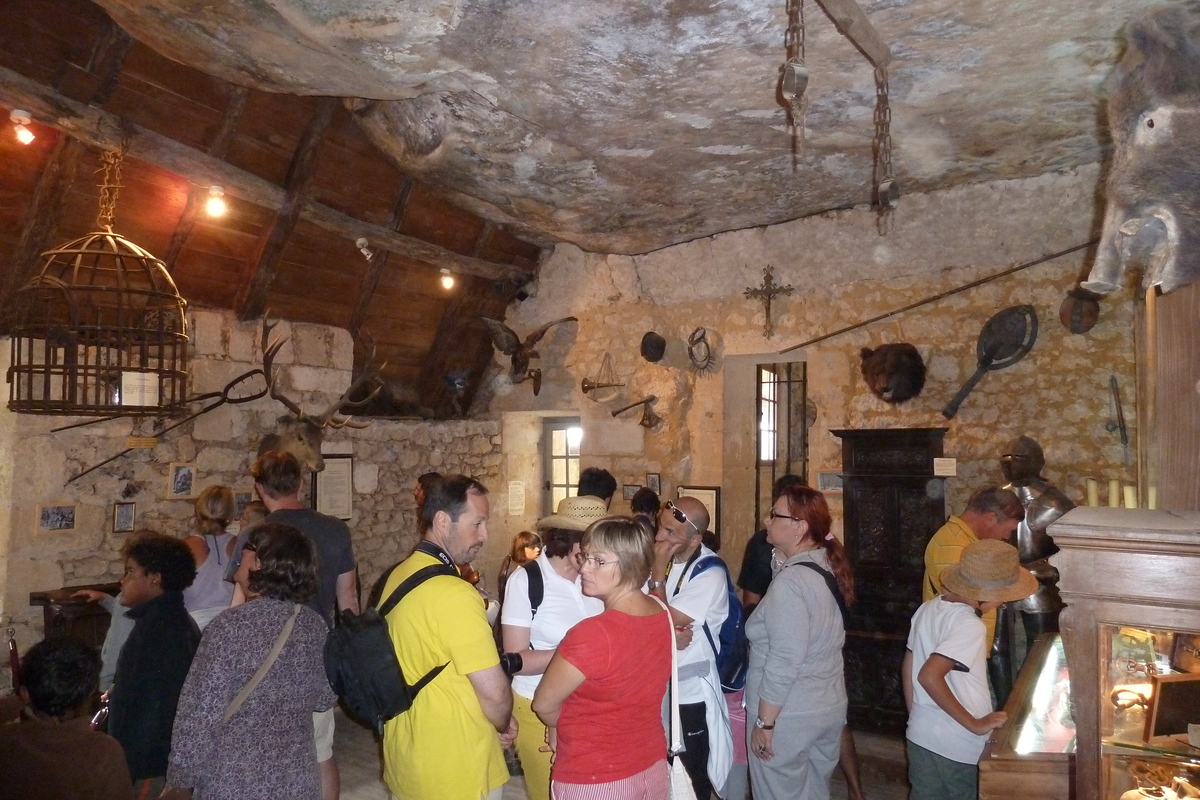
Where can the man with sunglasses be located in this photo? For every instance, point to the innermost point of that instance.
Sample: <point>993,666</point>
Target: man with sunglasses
<point>697,595</point>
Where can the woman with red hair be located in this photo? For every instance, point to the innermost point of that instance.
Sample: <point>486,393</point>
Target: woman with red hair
<point>795,686</point>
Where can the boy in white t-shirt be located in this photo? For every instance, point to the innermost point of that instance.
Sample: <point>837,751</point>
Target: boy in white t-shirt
<point>945,674</point>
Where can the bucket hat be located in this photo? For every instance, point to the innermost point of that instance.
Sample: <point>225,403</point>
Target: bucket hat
<point>990,571</point>
<point>575,513</point>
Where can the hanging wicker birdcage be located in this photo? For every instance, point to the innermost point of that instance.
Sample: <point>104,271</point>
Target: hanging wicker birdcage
<point>100,330</point>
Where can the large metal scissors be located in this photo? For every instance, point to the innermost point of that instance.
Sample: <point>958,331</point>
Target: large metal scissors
<point>239,390</point>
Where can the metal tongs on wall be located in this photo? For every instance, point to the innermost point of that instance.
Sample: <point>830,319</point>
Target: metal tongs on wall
<point>239,390</point>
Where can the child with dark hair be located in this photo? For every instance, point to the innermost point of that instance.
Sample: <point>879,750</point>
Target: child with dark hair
<point>156,657</point>
<point>54,753</point>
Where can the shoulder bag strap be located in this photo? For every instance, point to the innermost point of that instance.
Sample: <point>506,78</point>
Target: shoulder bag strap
<point>831,582</point>
<point>537,586</point>
<point>253,683</point>
<point>676,745</point>
<point>412,582</point>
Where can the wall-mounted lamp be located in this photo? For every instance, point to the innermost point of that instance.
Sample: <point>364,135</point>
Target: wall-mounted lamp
<point>19,120</point>
<point>216,206</point>
<point>447,279</point>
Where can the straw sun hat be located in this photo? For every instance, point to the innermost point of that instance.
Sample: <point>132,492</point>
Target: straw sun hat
<point>575,514</point>
<point>990,571</point>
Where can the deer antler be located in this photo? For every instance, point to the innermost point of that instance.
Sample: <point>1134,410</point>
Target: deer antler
<point>370,374</point>
<point>269,350</point>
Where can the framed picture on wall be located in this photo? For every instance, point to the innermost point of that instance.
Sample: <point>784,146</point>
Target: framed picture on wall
<point>124,515</point>
<point>56,518</point>
<point>654,482</point>
<point>333,487</point>
<point>711,497</point>
<point>629,490</point>
<point>829,481</point>
<point>181,481</point>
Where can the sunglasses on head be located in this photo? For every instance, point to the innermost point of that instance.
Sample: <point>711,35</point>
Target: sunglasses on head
<point>680,516</point>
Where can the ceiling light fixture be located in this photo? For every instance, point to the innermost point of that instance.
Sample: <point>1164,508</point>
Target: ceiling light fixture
<point>19,120</point>
<point>216,206</point>
<point>447,279</point>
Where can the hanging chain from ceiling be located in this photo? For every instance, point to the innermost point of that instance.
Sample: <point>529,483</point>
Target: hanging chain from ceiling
<point>887,191</point>
<point>110,184</point>
<point>795,73</point>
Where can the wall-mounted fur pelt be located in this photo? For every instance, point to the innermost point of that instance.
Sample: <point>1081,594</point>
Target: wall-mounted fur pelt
<point>894,372</point>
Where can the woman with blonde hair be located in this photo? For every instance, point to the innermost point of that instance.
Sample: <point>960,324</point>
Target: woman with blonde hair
<point>601,697</point>
<point>795,686</point>
<point>211,547</point>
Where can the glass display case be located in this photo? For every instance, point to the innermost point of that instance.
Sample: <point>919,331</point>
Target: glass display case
<point>1131,631</point>
<point>1033,754</point>
<point>1143,759</point>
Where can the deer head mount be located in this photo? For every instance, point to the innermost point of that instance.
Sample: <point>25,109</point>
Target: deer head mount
<point>300,433</point>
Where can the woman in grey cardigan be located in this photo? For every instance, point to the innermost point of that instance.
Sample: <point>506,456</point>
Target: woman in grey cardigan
<point>795,685</point>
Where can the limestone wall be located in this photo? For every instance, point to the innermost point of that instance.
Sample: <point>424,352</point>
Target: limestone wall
<point>842,272</point>
<point>314,368</point>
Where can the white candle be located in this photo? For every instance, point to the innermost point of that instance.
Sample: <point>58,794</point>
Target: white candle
<point>1131,497</point>
<point>1114,493</point>
<point>1152,500</point>
<point>1093,492</point>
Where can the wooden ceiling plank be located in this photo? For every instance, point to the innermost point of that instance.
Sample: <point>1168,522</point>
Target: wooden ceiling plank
<point>103,130</point>
<point>297,185</point>
<point>107,61</point>
<point>45,211</point>
<point>50,195</point>
<point>486,233</point>
<point>375,268</point>
<point>445,341</point>
<point>196,198</point>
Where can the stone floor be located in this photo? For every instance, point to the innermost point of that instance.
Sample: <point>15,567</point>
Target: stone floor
<point>882,759</point>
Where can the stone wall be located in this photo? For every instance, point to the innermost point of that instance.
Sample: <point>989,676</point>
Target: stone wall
<point>313,367</point>
<point>842,272</point>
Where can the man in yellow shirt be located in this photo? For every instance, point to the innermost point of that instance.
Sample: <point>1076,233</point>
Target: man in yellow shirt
<point>449,745</point>
<point>991,513</point>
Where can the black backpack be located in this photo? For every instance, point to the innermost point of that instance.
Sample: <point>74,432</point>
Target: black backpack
<point>361,662</point>
<point>537,593</point>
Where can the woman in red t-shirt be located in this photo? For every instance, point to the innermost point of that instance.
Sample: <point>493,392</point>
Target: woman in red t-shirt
<point>601,697</point>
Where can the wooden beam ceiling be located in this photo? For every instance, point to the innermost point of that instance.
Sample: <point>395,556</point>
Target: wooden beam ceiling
<point>106,131</point>
<point>303,184</point>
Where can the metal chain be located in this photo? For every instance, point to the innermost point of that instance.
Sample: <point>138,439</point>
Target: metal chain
<point>794,46</point>
<point>110,184</point>
<point>882,177</point>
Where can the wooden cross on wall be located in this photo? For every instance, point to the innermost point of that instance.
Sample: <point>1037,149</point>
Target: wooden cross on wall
<point>766,293</point>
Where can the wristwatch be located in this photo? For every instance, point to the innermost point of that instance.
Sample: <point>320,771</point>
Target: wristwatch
<point>762,726</point>
<point>654,585</point>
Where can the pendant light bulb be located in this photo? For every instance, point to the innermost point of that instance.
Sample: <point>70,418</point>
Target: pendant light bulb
<point>20,119</point>
<point>447,279</point>
<point>216,202</point>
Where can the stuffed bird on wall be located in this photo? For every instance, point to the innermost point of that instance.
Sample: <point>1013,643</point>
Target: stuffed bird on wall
<point>520,352</point>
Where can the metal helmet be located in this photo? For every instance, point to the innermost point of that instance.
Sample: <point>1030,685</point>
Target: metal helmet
<point>1022,461</point>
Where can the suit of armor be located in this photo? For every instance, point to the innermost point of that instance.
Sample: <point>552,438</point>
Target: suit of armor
<point>1022,465</point>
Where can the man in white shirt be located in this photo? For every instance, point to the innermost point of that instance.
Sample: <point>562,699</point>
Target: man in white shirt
<point>696,597</point>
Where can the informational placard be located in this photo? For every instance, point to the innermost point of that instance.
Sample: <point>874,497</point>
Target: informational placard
<point>945,467</point>
<point>516,498</point>
<point>139,388</point>
<point>334,487</point>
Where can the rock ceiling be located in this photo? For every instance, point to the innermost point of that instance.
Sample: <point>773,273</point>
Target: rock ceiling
<point>625,126</point>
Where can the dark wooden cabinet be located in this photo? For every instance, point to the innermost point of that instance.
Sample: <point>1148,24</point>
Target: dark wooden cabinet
<point>64,615</point>
<point>892,505</point>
